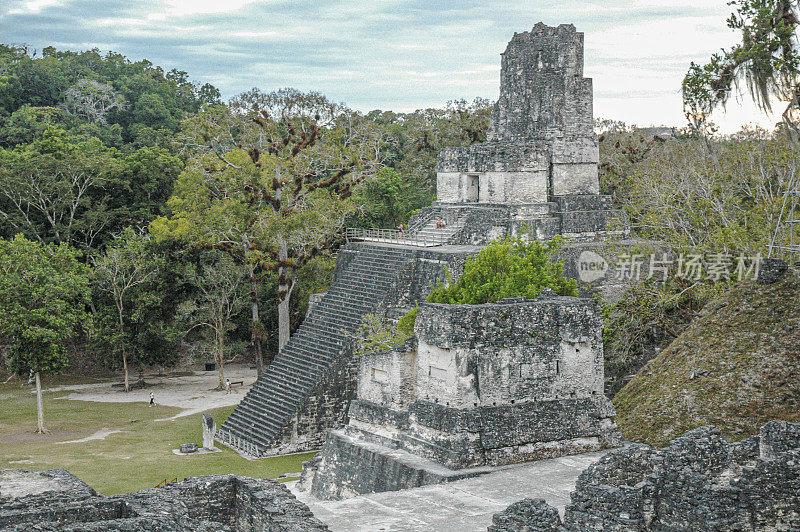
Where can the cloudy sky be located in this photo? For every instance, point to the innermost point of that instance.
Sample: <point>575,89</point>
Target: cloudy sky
<point>393,54</point>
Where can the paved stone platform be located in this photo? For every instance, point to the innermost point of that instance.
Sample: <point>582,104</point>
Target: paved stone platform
<point>459,506</point>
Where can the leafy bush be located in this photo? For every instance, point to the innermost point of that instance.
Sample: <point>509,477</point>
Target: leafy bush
<point>406,324</point>
<point>377,334</point>
<point>511,267</point>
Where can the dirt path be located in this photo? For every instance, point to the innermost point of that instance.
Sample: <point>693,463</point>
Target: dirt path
<point>194,393</point>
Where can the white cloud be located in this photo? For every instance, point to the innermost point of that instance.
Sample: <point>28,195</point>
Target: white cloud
<point>394,54</point>
<point>194,7</point>
<point>34,6</point>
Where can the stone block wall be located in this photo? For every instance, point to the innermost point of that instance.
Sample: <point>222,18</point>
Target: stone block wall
<point>207,503</point>
<point>471,355</point>
<point>699,482</point>
<point>541,141</point>
<point>543,93</point>
<point>581,218</point>
<point>323,409</point>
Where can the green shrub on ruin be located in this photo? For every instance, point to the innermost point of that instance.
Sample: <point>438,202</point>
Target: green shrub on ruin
<point>511,267</point>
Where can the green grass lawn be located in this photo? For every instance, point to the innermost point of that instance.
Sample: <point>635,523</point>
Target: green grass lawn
<point>138,457</point>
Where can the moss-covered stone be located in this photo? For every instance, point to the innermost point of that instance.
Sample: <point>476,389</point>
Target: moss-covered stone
<point>736,367</point>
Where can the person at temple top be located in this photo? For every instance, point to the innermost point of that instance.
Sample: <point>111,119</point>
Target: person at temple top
<point>400,229</point>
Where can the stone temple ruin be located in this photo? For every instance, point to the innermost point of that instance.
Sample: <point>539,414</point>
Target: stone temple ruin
<point>541,140</point>
<point>57,500</point>
<point>486,385</point>
<point>536,175</point>
<point>699,482</point>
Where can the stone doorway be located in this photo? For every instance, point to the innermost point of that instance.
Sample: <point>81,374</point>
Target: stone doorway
<point>472,190</point>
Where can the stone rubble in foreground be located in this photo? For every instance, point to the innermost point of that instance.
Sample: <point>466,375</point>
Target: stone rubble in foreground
<point>57,500</point>
<point>699,482</point>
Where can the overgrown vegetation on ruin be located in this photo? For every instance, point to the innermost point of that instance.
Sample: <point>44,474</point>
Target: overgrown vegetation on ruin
<point>512,267</point>
<point>736,367</point>
<point>507,268</point>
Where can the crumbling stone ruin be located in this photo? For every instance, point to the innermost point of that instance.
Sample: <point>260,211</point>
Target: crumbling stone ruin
<point>58,500</point>
<point>699,482</point>
<point>541,141</point>
<point>306,389</point>
<point>538,169</point>
<point>485,385</point>
<point>536,174</point>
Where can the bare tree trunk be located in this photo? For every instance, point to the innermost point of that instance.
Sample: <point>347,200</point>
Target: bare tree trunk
<point>124,351</point>
<point>221,359</point>
<point>255,322</point>
<point>39,406</point>
<point>125,367</point>
<point>284,291</point>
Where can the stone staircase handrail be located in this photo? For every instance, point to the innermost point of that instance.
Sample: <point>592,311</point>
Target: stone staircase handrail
<point>394,236</point>
<point>420,222</point>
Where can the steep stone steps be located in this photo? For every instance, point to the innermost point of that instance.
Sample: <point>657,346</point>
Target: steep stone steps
<point>438,235</point>
<point>325,336</point>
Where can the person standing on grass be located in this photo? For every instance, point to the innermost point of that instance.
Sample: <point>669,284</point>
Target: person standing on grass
<point>152,399</point>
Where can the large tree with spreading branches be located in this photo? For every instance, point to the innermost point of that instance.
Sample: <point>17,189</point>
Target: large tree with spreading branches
<point>270,182</point>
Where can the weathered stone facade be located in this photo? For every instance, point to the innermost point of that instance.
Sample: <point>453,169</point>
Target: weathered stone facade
<point>581,218</point>
<point>537,172</point>
<point>57,500</point>
<point>324,403</point>
<point>699,482</point>
<point>540,171</point>
<point>482,385</point>
<point>541,140</point>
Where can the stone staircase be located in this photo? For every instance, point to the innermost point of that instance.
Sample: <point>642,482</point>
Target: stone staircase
<point>437,236</point>
<point>260,419</point>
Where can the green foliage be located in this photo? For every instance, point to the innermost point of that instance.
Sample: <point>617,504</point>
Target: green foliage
<point>735,367</point>
<point>405,325</point>
<point>219,298</point>
<point>416,138</point>
<point>44,291</point>
<point>724,200</point>
<point>108,91</point>
<point>767,59</point>
<point>63,188</point>
<point>283,199</point>
<point>28,123</point>
<point>130,296</point>
<point>376,335</point>
<point>646,318</point>
<point>622,148</point>
<point>506,268</point>
<point>390,198</point>
<point>511,267</point>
